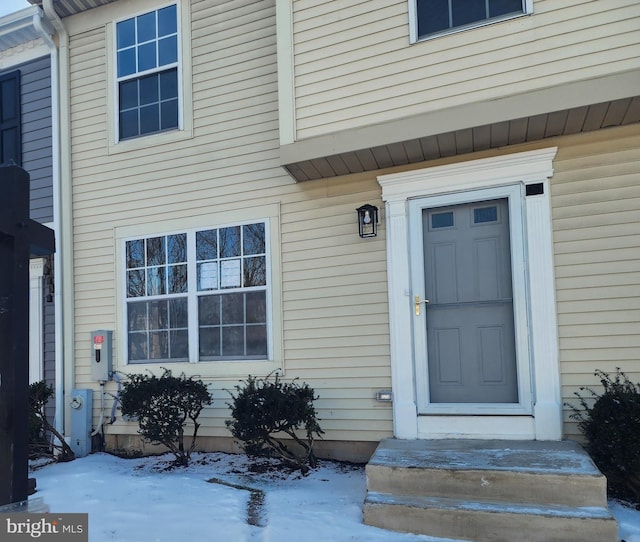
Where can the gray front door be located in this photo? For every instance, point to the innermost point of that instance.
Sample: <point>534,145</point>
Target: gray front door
<point>469,318</point>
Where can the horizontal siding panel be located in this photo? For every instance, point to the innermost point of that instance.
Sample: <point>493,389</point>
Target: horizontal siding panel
<point>339,301</point>
<point>604,213</point>
<point>587,245</point>
<point>313,342</point>
<point>596,179</point>
<point>327,253</point>
<point>600,290</point>
<point>597,357</point>
<point>588,41</point>
<point>394,57</point>
<point>244,160</point>
<point>228,17</point>
<point>388,104</point>
<point>351,377</point>
<point>594,165</point>
<point>600,329</point>
<point>231,162</point>
<point>613,342</point>
<point>327,414</point>
<point>297,279</point>
<point>595,201</point>
<point>607,194</point>
<point>598,232</point>
<point>574,322</point>
<point>336,290</point>
<point>586,306</point>
<point>330,412</point>
<point>230,166</point>
<point>335,316</point>
<point>326,316</point>
<point>366,327</point>
<point>354,65</point>
<point>346,260</point>
<point>345,278</point>
<point>146,207</point>
<point>585,270</point>
<point>347,366</point>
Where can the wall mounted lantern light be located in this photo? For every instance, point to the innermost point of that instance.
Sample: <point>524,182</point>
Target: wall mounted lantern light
<point>367,220</point>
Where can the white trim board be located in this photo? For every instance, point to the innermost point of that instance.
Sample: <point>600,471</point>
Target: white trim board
<point>455,181</point>
<point>36,322</point>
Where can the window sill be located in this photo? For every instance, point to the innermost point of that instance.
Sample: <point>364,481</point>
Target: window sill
<point>149,141</point>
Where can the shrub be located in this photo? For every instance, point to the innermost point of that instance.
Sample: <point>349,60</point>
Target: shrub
<point>40,445</point>
<point>163,405</point>
<point>610,422</point>
<point>263,410</point>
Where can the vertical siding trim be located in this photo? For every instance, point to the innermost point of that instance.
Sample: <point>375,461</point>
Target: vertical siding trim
<point>402,379</point>
<point>544,320</point>
<point>36,320</point>
<point>286,85</point>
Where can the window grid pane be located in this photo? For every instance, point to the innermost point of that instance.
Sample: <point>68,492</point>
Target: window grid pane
<point>157,330</point>
<point>232,326</point>
<point>147,43</point>
<point>232,322</point>
<point>149,104</point>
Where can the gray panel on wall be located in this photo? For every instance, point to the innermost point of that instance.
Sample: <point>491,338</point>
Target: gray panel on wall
<point>36,134</point>
<point>37,160</point>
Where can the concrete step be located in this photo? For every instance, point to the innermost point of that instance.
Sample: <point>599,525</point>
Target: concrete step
<point>485,521</point>
<point>544,473</point>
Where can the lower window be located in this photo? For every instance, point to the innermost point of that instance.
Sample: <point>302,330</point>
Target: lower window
<point>198,295</point>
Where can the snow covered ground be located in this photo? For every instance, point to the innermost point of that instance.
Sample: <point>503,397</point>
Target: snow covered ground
<point>139,500</point>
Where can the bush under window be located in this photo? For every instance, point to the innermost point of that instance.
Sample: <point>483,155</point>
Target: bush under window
<point>273,418</point>
<point>163,406</point>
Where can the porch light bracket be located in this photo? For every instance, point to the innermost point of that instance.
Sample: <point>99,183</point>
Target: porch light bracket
<point>367,220</point>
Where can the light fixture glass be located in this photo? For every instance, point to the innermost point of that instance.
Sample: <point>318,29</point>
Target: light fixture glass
<point>367,220</point>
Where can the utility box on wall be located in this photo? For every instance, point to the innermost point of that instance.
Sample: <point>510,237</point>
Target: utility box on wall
<point>81,415</point>
<point>101,355</point>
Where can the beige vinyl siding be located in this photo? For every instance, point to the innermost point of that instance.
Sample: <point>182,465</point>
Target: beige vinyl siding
<point>596,222</point>
<point>335,323</point>
<point>354,65</point>
<point>335,329</point>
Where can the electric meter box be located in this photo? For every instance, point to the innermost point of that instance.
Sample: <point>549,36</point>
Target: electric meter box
<point>101,355</point>
<point>81,404</point>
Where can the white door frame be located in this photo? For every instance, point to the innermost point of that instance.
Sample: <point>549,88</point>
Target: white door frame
<point>542,418</point>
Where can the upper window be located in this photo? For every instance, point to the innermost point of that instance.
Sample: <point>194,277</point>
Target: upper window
<point>440,16</point>
<point>198,294</point>
<point>147,73</point>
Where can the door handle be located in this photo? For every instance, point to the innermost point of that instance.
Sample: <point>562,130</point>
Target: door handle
<point>417,303</point>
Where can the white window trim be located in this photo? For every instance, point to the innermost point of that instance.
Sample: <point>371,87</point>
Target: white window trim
<point>413,22</point>
<point>511,169</point>
<point>185,102</point>
<point>270,214</point>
